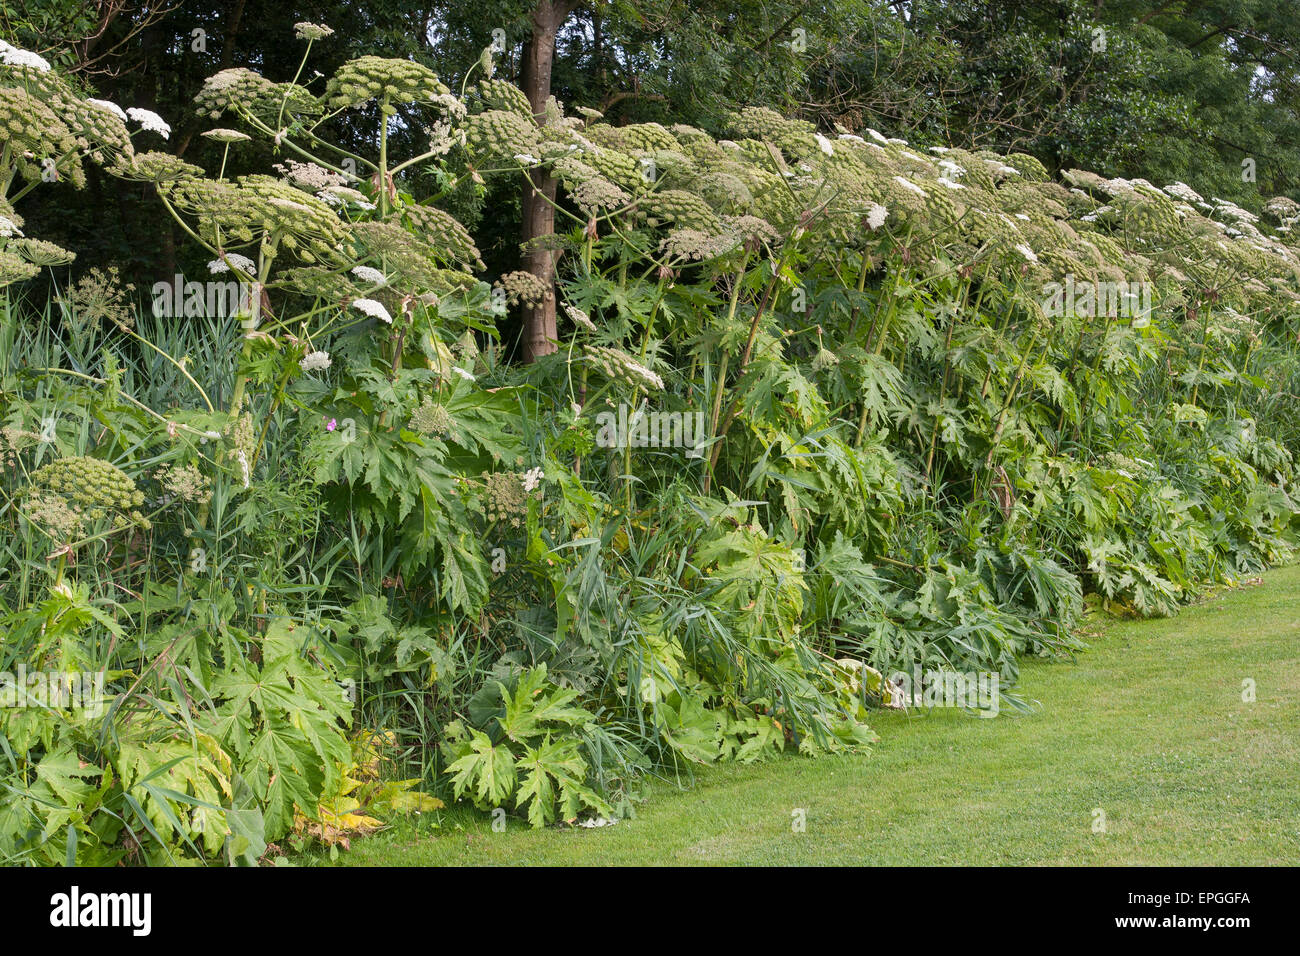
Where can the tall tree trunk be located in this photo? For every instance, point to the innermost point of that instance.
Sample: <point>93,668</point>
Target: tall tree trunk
<point>233,21</point>
<point>540,337</point>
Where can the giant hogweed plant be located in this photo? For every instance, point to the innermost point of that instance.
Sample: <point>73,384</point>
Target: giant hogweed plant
<point>219,727</point>
<point>1014,351</point>
<point>408,468</point>
<point>51,131</point>
<point>335,246</point>
<point>257,759</point>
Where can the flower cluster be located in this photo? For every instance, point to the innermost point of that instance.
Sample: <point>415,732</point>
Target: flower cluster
<point>230,89</point>
<point>579,317</point>
<point>501,95</point>
<point>375,310</point>
<point>378,78</point>
<point>824,359</point>
<point>92,489</point>
<point>225,136</point>
<point>24,59</point>
<point>505,496</point>
<point>592,193</point>
<point>501,135</point>
<point>35,133</point>
<point>155,167</point>
<point>311,31</point>
<point>525,288</point>
<point>14,269</point>
<point>98,297</point>
<point>254,207</point>
<point>444,234</point>
<point>184,483</point>
<point>151,121</point>
<point>431,419</point>
<point>682,208</point>
<point>309,176</point>
<point>411,263</point>
<point>41,253</point>
<point>696,245</point>
<point>344,196</point>
<point>620,366</point>
<point>315,361</point>
<point>52,514</point>
<point>235,260</point>
<point>13,440</point>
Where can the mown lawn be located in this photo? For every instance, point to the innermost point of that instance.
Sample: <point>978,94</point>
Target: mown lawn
<point>1148,726</point>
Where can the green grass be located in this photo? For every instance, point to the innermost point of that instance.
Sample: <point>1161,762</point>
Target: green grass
<point>1149,725</point>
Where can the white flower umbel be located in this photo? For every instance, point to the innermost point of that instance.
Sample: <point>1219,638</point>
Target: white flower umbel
<point>369,274</point>
<point>908,184</point>
<point>532,478</point>
<point>242,263</point>
<point>824,144</point>
<point>12,56</point>
<point>311,31</point>
<point>315,362</point>
<point>463,374</point>
<point>1180,190</point>
<point>580,317</point>
<point>876,216</point>
<point>1233,211</point>
<point>225,136</point>
<point>8,229</point>
<point>344,193</point>
<point>373,309</point>
<point>648,378</point>
<point>449,105</point>
<point>110,106</point>
<point>944,181</point>
<point>1025,251</point>
<point>150,120</point>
